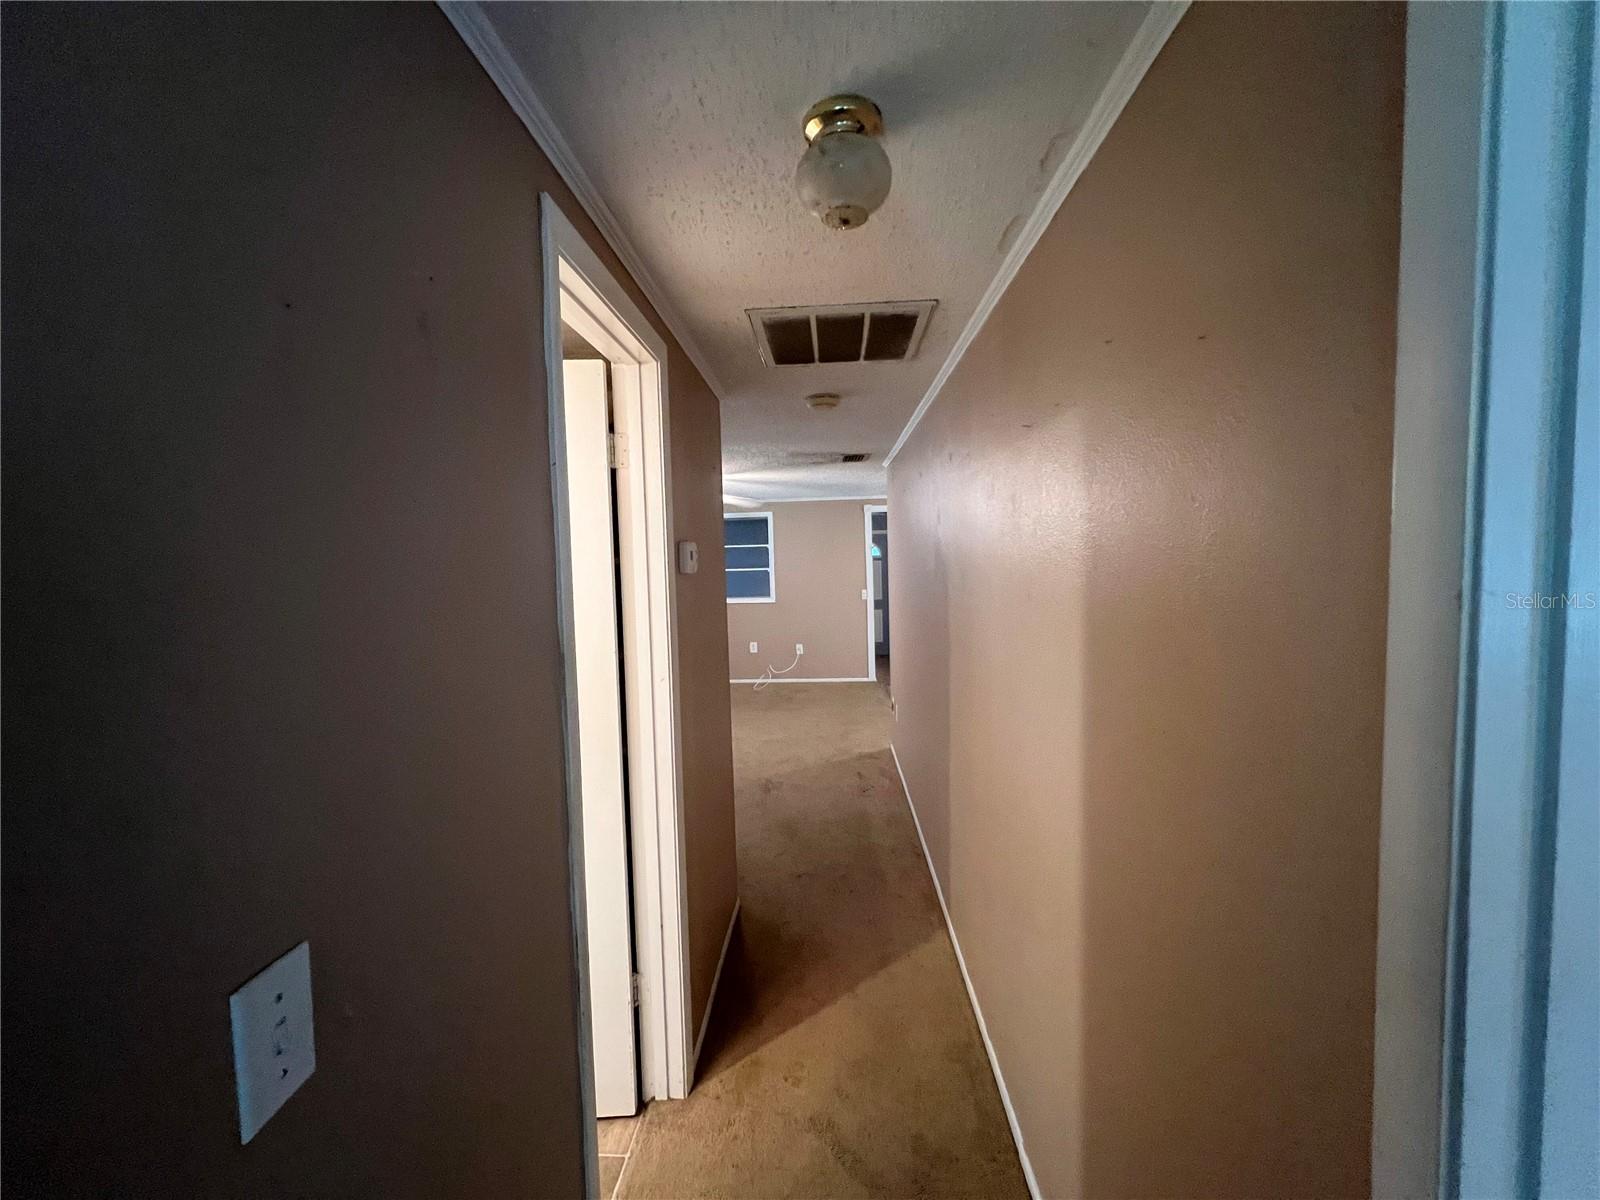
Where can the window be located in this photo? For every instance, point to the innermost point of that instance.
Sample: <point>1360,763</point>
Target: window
<point>747,558</point>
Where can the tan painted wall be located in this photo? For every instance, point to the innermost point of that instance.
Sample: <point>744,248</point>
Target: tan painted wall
<point>819,548</point>
<point>706,723</point>
<point>280,632</point>
<point>1140,567</point>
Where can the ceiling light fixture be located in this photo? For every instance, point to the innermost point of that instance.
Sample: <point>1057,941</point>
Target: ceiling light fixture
<point>822,401</point>
<point>844,174</point>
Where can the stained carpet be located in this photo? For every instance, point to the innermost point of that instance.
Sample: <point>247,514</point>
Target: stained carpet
<point>842,1058</point>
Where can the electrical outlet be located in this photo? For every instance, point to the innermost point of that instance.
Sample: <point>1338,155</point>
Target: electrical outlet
<point>752,647</point>
<point>273,1048</point>
<point>799,649</point>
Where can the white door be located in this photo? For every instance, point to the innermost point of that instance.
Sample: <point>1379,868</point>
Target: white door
<point>599,688</point>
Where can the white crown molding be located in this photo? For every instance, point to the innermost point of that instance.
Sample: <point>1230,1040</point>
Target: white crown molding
<point>481,37</point>
<point>1151,35</point>
<point>878,496</point>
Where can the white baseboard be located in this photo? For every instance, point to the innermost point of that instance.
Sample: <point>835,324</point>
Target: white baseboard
<point>972,995</point>
<point>711,998</point>
<point>829,679</point>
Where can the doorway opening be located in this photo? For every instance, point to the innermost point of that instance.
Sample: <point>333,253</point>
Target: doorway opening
<point>612,501</point>
<point>876,519</point>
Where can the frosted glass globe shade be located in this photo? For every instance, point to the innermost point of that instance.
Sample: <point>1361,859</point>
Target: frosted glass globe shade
<point>843,178</point>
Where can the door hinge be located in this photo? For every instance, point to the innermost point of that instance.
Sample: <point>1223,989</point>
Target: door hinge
<point>617,449</point>
<point>636,984</point>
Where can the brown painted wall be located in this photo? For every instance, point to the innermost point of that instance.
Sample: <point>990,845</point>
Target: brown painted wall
<point>280,640</point>
<point>1140,570</point>
<point>819,551</point>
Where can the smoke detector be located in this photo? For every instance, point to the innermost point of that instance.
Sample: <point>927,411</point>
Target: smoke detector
<point>822,401</point>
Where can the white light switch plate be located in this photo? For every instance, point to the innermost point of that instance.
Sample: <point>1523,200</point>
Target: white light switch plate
<point>273,1049</point>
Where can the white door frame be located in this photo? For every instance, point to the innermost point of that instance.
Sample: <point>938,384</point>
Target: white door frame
<point>580,289</point>
<point>866,524</point>
<point>602,766</point>
<point>1485,1053</point>
<point>1436,355</point>
<point>1522,980</point>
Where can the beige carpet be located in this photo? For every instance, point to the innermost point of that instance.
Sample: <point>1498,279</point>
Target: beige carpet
<point>842,1059</point>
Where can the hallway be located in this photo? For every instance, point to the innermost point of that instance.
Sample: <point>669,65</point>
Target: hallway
<point>842,1058</point>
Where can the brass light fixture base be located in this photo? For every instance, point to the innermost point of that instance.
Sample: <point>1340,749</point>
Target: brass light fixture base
<point>844,113</point>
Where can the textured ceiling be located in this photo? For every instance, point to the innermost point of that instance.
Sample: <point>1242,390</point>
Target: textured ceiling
<point>687,119</point>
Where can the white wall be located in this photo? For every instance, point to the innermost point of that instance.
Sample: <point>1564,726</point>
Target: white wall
<point>1433,381</point>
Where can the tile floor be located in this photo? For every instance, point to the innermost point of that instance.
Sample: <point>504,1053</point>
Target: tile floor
<point>615,1137</point>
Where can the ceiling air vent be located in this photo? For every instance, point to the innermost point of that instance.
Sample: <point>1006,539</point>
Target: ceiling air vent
<point>840,333</point>
<point>852,458</point>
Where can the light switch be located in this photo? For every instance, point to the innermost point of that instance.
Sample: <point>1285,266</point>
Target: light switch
<point>273,1048</point>
<point>688,558</point>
